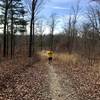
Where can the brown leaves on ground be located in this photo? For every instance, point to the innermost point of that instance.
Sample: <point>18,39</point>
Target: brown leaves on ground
<point>23,79</point>
<point>85,78</point>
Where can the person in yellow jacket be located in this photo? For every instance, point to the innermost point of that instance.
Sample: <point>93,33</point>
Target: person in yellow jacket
<point>50,56</point>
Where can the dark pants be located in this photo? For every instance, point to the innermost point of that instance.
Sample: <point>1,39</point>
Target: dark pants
<point>50,59</point>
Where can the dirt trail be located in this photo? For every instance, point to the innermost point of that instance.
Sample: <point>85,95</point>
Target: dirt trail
<point>57,93</point>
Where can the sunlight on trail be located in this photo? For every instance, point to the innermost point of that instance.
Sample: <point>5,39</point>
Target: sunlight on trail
<point>55,88</point>
<point>57,93</point>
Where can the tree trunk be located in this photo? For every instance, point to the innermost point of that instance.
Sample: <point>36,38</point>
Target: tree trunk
<point>7,40</point>
<point>33,42</point>
<point>12,32</point>
<point>30,40</point>
<point>41,42</point>
<point>5,24</point>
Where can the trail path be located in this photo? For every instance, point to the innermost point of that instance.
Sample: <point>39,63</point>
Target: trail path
<point>57,92</point>
<point>40,81</point>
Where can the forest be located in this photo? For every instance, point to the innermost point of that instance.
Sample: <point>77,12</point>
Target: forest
<point>29,29</point>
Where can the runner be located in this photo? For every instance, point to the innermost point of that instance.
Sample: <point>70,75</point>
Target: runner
<point>50,56</point>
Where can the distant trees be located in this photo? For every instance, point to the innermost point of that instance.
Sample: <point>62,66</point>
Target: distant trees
<point>17,15</point>
<point>40,30</point>
<point>13,19</point>
<point>5,5</point>
<point>12,11</point>
<point>91,34</point>
<point>52,26</point>
<point>94,17</point>
<point>21,27</point>
<point>70,28</point>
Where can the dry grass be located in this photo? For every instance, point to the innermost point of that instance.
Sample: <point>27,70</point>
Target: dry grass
<point>62,57</point>
<point>85,78</point>
<point>67,58</point>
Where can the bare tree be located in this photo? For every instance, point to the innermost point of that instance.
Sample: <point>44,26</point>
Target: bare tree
<point>5,26</point>
<point>34,9</point>
<point>52,26</point>
<point>41,28</point>
<point>94,17</point>
<point>92,32</point>
<point>70,28</point>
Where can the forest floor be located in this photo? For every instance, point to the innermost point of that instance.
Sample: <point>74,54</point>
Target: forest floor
<point>56,89</point>
<point>27,79</point>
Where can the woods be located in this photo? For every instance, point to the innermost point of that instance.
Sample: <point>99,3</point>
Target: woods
<point>14,19</point>
<point>12,11</point>
<point>29,29</point>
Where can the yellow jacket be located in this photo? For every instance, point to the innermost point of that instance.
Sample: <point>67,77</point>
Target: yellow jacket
<point>50,53</point>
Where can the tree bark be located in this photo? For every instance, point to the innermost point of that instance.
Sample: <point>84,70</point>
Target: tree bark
<point>12,32</point>
<point>5,25</point>
<point>30,40</point>
<point>7,40</point>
